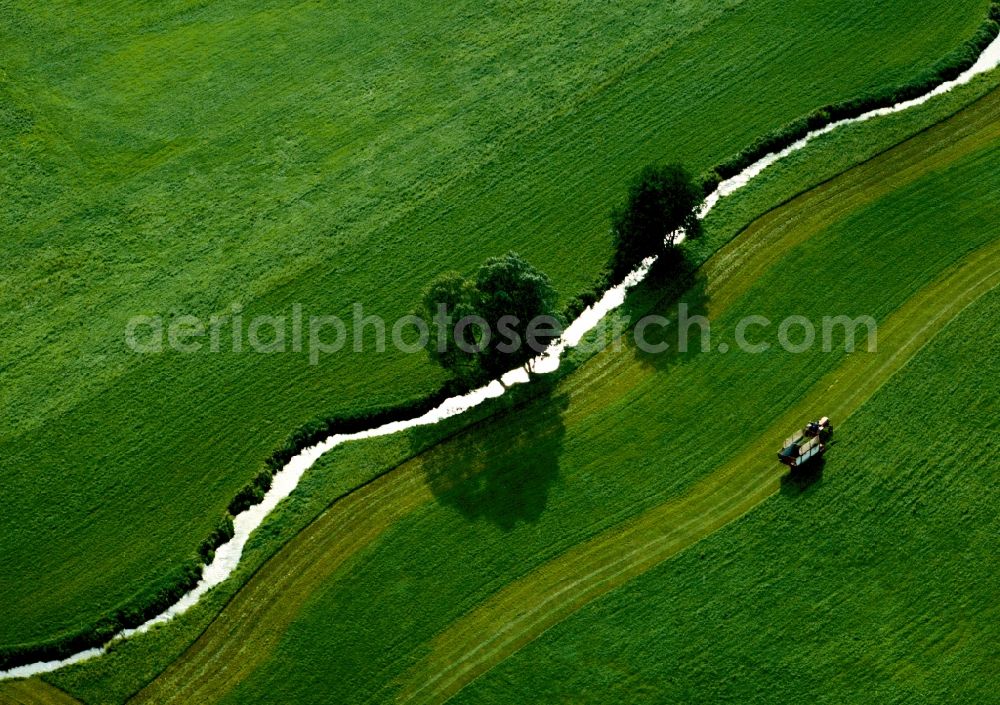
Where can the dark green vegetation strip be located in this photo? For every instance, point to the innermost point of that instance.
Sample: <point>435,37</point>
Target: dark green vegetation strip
<point>181,159</point>
<point>875,581</point>
<point>342,638</point>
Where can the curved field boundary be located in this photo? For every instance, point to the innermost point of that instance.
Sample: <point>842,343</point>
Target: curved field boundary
<point>250,626</point>
<point>228,555</point>
<point>34,692</point>
<point>525,609</point>
<point>734,268</point>
<point>248,629</point>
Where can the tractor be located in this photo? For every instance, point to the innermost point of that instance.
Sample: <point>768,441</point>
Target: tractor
<point>804,445</point>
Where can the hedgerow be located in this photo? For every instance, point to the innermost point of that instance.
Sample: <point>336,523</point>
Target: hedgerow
<point>138,611</point>
<point>223,531</point>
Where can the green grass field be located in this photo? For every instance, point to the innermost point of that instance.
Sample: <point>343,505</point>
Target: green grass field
<point>184,158</point>
<point>874,584</point>
<point>513,525</point>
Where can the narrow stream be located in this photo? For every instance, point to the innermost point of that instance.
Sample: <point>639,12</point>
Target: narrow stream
<point>227,556</point>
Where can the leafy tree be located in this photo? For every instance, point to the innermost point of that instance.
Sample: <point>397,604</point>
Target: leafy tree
<point>519,304</point>
<point>660,201</point>
<point>449,299</point>
<point>491,325</point>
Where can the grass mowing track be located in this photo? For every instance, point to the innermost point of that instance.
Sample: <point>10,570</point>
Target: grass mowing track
<point>925,144</point>
<point>33,692</point>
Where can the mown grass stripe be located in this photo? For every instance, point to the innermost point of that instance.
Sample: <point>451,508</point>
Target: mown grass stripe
<point>246,631</point>
<point>33,692</point>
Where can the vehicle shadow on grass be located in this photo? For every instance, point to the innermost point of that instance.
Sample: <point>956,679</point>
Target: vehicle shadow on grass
<point>501,469</point>
<point>671,282</point>
<point>801,480</point>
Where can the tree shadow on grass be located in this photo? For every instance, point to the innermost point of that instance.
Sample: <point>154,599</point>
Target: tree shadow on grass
<point>501,468</point>
<point>800,480</point>
<point>672,283</point>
